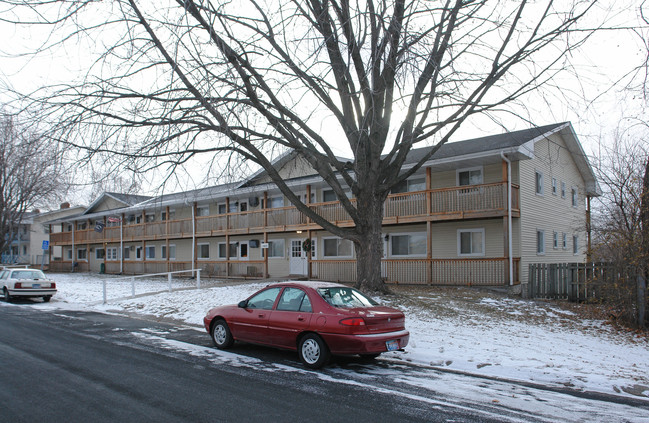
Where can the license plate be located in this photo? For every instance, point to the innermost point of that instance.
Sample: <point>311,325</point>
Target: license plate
<point>392,345</point>
<point>36,286</point>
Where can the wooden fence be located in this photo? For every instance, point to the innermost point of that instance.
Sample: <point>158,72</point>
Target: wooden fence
<point>571,281</point>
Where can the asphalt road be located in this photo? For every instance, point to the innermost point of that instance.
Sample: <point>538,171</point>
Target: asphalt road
<point>72,366</point>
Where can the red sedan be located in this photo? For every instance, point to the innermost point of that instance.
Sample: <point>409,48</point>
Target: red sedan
<point>315,318</point>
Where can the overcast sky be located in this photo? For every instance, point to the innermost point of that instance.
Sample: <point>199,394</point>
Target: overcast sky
<point>590,98</point>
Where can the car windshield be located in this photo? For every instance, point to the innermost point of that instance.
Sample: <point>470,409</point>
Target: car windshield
<point>28,274</point>
<point>344,297</point>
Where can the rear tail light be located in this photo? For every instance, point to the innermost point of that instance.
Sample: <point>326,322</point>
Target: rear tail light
<point>18,285</point>
<point>53,285</point>
<point>353,321</point>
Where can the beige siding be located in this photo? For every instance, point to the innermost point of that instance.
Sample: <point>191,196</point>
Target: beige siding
<point>550,212</point>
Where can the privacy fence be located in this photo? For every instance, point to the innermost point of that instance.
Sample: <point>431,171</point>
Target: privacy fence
<point>571,281</point>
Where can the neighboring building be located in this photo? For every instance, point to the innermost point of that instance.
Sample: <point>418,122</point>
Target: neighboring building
<point>27,246</point>
<point>448,224</point>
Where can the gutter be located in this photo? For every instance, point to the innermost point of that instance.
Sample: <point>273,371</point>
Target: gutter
<point>509,217</point>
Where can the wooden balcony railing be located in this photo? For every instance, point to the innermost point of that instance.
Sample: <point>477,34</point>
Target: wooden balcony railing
<point>475,271</point>
<point>487,200</point>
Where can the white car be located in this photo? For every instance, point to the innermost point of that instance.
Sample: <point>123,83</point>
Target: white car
<point>26,283</point>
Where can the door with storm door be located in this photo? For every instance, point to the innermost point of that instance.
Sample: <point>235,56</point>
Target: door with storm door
<point>298,258</point>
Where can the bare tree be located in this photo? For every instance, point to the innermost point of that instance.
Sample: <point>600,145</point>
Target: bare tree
<point>621,225</point>
<point>250,80</point>
<point>29,176</point>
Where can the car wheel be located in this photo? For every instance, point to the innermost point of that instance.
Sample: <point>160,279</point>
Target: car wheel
<point>221,335</point>
<point>313,351</point>
<point>47,298</point>
<point>7,295</point>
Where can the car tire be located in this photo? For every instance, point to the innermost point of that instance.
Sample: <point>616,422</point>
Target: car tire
<point>7,295</point>
<point>313,351</point>
<point>47,298</point>
<point>221,335</point>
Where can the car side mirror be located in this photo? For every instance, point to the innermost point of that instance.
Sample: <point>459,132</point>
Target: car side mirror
<point>243,304</point>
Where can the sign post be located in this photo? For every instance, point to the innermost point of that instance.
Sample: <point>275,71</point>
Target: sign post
<point>45,247</point>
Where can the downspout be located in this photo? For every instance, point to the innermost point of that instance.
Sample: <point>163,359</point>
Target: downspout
<point>193,238</point>
<point>121,245</point>
<point>509,217</point>
<point>74,224</point>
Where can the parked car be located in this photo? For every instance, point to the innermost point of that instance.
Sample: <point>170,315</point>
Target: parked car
<point>316,319</point>
<point>26,283</point>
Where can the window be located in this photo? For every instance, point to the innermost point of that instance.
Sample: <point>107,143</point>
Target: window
<point>150,217</point>
<point>329,195</point>
<point>127,253</point>
<point>243,249</point>
<point>100,253</point>
<point>264,300</point>
<point>221,250</point>
<point>337,247</point>
<point>410,185</point>
<point>564,241</point>
<point>539,183</point>
<point>554,186</point>
<point>203,211</point>
<point>575,244</point>
<point>138,218</point>
<point>563,189</point>
<point>221,208</point>
<point>574,197</point>
<point>172,251</point>
<point>82,225</point>
<point>471,242</point>
<point>294,299</point>
<point>150,252</point>
<point>203,251</point>
<point>275,248</point>
<point>111,253</point>
<point>82,254</point>
<point>138,253</point>
<point>275,202</point>
<point>408,244</point>
<point>471,176</point>
<point>555,240</point>
<point>70,254</point>
<point>540,242</point>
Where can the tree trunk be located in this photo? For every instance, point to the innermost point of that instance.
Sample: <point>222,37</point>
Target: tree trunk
<point>644,250</point>
<point>369,247</point>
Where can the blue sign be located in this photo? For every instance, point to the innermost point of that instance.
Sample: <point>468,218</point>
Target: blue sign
<point>46,245</point>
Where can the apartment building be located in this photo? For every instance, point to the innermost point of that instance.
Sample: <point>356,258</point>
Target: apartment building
<point>478,213</point>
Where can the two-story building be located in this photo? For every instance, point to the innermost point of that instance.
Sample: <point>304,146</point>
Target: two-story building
<point>477,213</point>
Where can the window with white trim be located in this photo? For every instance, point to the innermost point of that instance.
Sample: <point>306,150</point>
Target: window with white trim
<point>575,197</point>
<point>540,241</point>
<point>203,211</point>
<point>564,241</point>
<point>82,254</point>
<point>163,251</point>
<point>469,176</point>
<point>575,244</point>
<point>203,251</point>
<point>138,253</point>
<point>127,253</point>
<point>539,182</point>
<point>150,252</point>
<point>276,248</point>
<point>221,208</point>
<point>150,217</point>
<point>555,240</point>
<point>69,255</point>
<point>471,242</point>
<point>100,253</point>
<point>563,189</point>
<point>275,202</point>
<point>412,244</point>
<point>172,251</point>
<point>337,247</point>
<point>410,185</point>
<point>554,186</point>
<point>111,253</point>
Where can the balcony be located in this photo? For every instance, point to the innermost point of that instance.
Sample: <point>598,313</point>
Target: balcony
<point>457,203</point>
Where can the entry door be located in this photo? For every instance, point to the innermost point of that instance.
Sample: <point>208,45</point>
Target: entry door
<point>298,259</point>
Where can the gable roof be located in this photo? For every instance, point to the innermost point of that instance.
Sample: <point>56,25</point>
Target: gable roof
<point>126,200</point>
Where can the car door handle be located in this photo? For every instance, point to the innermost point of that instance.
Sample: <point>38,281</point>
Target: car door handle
<point>261,315</point>
<point>300,318</point>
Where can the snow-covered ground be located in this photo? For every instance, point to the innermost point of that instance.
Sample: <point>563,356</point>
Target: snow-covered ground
<point>465,330</point>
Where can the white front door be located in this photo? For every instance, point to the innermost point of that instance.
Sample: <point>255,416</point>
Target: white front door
<point>297,260</point>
